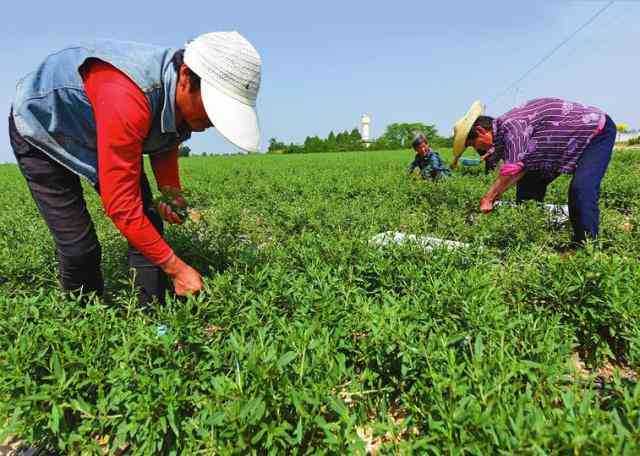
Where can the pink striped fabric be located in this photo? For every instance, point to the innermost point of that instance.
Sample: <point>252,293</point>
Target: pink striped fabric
<point>547,134</point>
<point>511,169</point>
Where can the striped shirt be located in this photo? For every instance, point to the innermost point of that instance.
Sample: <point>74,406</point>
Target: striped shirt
<point>546,134</point>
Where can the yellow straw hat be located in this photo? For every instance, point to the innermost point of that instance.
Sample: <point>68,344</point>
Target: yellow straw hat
<point>462,128</point>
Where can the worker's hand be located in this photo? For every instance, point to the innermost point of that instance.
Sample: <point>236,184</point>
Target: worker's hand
<point>486,205</point>
<point>167,213</point>
<point>166,210</point>
<point>487,155</point>
<point>186,280</point>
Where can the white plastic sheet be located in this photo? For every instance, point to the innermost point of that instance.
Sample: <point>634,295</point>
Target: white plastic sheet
<point>427,243</point>
<point>559,213</point>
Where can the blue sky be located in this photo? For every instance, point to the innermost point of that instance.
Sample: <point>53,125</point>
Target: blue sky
<point>325,63</point>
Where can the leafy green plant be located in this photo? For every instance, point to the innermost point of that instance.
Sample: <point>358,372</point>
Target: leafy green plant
<point>307,339</point>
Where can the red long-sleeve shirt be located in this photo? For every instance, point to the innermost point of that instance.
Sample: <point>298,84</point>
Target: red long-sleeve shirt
<point>123,118</point>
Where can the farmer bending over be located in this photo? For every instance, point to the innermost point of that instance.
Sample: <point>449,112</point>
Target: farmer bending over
<point>427,159</point>
<point>93,110</point>
<point>537,142</point>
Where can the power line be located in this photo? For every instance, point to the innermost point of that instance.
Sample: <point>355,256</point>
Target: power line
<point>553,51</point>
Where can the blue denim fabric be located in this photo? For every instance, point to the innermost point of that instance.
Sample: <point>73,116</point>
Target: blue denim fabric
<point>584,190</point>
<point>52,112</point>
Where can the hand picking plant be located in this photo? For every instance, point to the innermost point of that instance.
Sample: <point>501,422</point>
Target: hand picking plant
<point>170,196</point>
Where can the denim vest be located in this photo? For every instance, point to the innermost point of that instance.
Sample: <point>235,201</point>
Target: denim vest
<point>52,112</point>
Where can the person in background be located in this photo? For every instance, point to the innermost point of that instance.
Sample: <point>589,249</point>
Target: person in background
<point>537,142</point>
<point>91,111</point>
<point>427,160</point>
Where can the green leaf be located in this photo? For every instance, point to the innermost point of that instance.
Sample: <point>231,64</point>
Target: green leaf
<point>58,371</point>
<point>531,364</point>
<point>258,411</point>
<point>286,359</point>
<point>81,406</point>
<point>455,339</point>
<point>54,421</point>
<point>298,433</point>
<point>250,408</point>
<point>478,348</point>
<point>256,438</point>
<point>172,420</point>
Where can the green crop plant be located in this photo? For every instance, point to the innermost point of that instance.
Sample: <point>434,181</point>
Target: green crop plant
<point>307,339</point>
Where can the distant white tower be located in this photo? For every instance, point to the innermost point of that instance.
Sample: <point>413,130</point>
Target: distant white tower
<point>365,121</point>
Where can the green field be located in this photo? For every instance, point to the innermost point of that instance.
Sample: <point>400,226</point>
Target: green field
<point>307,339</point>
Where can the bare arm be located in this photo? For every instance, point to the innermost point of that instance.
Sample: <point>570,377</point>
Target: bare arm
<point>501,185</point>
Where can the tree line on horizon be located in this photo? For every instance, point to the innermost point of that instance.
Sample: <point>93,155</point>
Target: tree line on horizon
<point>396,136</point>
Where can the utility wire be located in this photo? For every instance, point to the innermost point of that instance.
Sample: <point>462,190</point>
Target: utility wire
<point>553,51</point>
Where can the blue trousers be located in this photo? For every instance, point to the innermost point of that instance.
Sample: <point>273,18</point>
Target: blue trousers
<point>584,190</point>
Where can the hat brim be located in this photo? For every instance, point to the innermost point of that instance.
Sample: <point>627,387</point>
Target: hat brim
<point>236,121</point>
<point>462,129</point>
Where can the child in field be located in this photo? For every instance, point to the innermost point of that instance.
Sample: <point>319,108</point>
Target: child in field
<point>427,159</point>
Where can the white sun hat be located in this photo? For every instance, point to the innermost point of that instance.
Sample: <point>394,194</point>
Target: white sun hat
<point>229,68</point>
<point>462,128</point>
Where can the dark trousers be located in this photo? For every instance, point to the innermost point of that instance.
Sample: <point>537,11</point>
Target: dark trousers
<point>59,197</point>
<point>584,190</point>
